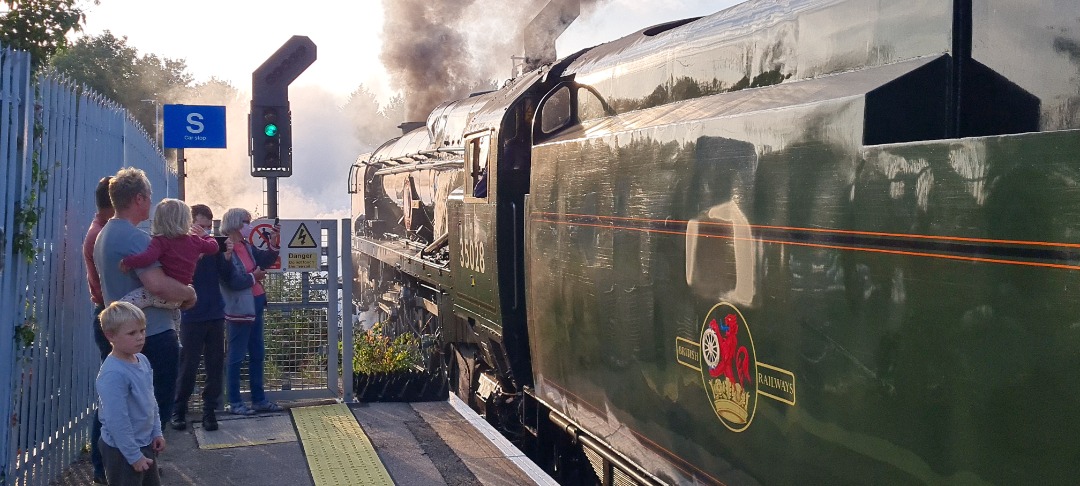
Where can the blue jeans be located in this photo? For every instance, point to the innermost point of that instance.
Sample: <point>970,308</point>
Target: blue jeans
<point>246,340</point>
<point>163,352</point>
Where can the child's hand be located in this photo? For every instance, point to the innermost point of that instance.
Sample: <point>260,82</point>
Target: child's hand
<point>158,444</point>
<point>123,268</point>
<point>143,464</point>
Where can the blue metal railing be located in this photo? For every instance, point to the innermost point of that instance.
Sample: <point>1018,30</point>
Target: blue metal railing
<point>56,141</point>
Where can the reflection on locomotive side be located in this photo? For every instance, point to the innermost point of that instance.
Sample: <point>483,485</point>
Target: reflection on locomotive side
<point>774,245</point>
<point>709,255</point>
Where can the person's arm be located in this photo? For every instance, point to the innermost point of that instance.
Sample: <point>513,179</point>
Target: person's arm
<point>263,258</point>
<point>156,412</point>
<point>145,258</point>
<point>166,287</point>
<point>92,278</point>
<point>206,245</point>
<point>232,277</point>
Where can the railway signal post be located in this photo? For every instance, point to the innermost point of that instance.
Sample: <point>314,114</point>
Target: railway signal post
<point>270,121</point>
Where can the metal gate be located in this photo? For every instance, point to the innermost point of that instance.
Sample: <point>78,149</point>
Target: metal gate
<point>309,322</point>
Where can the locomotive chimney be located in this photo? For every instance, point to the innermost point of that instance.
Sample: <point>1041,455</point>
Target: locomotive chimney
<point>409,126</point>
<point>540,34</point>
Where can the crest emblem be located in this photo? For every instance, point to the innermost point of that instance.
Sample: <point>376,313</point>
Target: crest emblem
<point>728,366</point>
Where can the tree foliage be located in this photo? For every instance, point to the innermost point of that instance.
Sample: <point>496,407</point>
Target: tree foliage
<point>215,91</point>
<point>108,65</point>
<point>40,26</point>
<point>374,124</point>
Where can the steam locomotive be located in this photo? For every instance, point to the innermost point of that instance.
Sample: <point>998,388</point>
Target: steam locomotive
<point>797,242</point>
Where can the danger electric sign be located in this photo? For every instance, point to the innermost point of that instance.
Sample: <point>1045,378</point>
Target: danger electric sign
<point>301,245</point>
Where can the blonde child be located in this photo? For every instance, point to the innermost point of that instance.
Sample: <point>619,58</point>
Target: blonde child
<point>177,246</point>
<point>131,435</point>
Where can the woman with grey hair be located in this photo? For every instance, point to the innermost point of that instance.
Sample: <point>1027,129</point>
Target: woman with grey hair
<point>244,314</point>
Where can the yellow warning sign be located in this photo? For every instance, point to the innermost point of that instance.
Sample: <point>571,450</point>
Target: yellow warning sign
<point>302,238</point>
<point>301,252</point>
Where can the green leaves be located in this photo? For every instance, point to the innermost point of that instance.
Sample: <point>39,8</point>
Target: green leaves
<point>28,211</point>
<point>40,26</point>
<point>377,353</point>
<point>108,65</point>
<point>26,333</point>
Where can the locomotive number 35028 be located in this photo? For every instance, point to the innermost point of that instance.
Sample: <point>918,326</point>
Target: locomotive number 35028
<point>472,255</point>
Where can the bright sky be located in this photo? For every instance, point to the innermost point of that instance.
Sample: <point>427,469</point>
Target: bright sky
<point>229,39</point>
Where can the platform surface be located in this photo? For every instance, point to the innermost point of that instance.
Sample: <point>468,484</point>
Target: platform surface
<point>423,443</point>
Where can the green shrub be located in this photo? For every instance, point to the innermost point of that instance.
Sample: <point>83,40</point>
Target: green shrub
<point>378,353</point>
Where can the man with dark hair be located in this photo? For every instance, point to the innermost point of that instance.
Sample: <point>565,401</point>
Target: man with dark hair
<point>130,193</point>
<point>202,328</point>
<point>104,213</point>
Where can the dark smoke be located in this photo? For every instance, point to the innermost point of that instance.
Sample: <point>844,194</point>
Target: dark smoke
<point>439,50</point>
<point>425,53</point>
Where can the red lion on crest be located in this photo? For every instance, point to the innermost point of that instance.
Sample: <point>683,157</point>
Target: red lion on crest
<point>730,351</point>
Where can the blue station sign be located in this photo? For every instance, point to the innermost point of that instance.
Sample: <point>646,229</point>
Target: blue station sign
<point>194,126</point>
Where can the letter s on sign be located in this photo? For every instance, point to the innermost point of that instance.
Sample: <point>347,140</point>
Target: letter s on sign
<point>195,123</point>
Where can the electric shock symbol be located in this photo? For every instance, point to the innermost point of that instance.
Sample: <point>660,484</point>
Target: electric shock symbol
<point>302,238</point>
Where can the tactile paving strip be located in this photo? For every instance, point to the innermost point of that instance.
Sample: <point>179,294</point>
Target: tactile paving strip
<point>337,450</point>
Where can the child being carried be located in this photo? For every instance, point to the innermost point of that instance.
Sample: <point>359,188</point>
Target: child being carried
<point>177,245</point>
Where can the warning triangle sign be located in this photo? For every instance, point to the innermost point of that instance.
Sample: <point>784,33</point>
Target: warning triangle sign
<point>302,238</point>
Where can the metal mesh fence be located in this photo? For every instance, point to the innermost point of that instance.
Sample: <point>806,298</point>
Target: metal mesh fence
<point>295,330</point>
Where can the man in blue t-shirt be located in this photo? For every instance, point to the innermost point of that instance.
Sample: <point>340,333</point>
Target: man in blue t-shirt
<point>130,193</point>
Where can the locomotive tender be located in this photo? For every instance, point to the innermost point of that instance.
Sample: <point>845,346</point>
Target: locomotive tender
<point>797,242</point>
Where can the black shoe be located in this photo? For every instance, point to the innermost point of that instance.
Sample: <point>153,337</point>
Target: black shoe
<point>100,479</point>
<point>178,422</point>
<point>209,421</point>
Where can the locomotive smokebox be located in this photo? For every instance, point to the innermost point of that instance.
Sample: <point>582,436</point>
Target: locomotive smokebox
<point>548,25</point>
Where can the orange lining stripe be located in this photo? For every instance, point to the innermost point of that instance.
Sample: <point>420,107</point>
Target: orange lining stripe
<point>834,247</point>
<point>822,230</point>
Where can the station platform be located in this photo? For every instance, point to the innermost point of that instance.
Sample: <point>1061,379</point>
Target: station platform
<point>327,443</point>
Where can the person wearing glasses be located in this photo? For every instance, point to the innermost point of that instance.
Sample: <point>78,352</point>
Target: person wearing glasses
<point>244,314</point>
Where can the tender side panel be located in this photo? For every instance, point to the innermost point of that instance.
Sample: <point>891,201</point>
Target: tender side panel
<point>617,283</point>
<point>888,313</point>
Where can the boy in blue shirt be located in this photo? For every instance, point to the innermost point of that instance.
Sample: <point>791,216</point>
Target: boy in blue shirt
<point>130,425</point>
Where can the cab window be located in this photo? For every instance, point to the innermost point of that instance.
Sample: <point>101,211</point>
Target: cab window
<point>555,113</point>
<point>477,165</point>
<point>589,107</point>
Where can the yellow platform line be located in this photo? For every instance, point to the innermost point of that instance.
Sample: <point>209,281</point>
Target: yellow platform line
<point>336,448</point>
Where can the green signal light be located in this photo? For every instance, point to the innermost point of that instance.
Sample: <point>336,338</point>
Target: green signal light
<point>270,130</point>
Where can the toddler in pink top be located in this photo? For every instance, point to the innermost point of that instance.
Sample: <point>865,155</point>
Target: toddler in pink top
<point>176,246</point>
